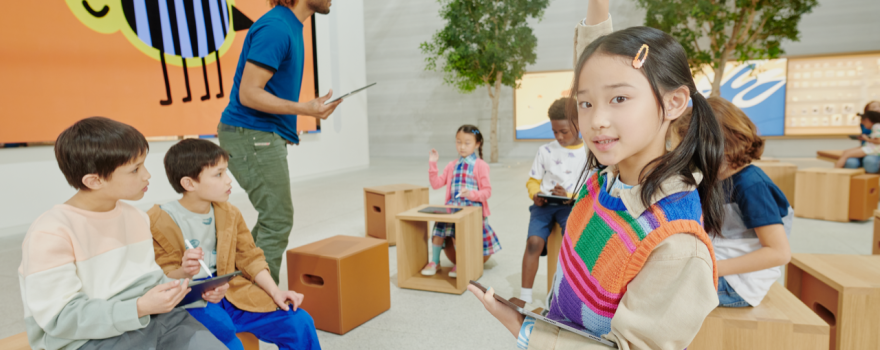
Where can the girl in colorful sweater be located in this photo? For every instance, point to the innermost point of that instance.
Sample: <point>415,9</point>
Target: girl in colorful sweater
<point>467,181</point>
<point>636,265</point>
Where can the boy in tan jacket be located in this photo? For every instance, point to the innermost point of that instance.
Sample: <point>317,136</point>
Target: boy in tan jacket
<point>219,236</point>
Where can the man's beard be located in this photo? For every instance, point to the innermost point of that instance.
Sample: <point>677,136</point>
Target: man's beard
<point>320,6</point>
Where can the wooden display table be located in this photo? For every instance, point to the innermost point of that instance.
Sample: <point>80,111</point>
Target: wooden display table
<point>554,244</point>
<point>845,291</point>
<point>412,249</point>
<point>829,156</point>
<point>780,322</point>
<point>382,203</point>
<point>824,194</point>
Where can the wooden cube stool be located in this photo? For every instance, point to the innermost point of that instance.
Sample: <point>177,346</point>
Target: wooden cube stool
<point>554,244</point>
<point>382,203</point>
<point>413,234</point>
<point>780,322</point>
<point>845,291</point>
<point>864,195</point>
<point>249,341</point>
<point>345,280</point>
<point>15,342</point>
<point>782,175</point>
<point>824,194</point>
<point>876,247</point>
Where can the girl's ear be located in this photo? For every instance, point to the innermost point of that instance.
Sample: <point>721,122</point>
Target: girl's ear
<point>676,102</point>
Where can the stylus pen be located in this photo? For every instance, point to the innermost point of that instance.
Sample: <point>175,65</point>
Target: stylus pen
<point>190,246</point>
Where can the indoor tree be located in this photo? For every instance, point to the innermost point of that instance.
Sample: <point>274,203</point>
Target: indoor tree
<point>713,32</point>
<point>484,43</point>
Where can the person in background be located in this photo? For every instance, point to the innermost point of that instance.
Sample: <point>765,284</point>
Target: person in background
<point>870,120</point>
<point>554,171</point>
<point>871,163</point>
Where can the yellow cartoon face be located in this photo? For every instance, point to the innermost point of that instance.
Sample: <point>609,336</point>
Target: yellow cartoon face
<point>192,30</point>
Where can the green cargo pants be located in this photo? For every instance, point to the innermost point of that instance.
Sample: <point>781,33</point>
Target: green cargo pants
<point>258,161</point>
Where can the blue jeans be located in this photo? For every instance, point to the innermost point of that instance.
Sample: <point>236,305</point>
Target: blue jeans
<point>727,297</point>
<point>542,220</point>
<point>870,163</point>
<point>286,329</point>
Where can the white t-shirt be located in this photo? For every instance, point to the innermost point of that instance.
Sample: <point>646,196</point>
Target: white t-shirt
<point>555,164</point>
<point>199,229</point>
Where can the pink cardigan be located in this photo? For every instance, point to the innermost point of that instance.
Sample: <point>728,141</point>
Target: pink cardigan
<point>481,174</point>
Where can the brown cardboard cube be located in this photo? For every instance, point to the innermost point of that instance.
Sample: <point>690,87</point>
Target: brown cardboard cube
<point>412,249</point>
<point>864,194</point>
<point>345,280</point>
<point>382,203</point>
<point>249,341</point>
<point>782,174</point>
<point>780,322</point>
<point>844,290</point>
<point>554,244</point>
<point>823,193</point>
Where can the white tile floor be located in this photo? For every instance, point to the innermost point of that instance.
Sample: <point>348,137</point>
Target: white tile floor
<point>334,206</point>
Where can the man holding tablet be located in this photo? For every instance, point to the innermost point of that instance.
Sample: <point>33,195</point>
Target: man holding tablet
<point>260,120</point>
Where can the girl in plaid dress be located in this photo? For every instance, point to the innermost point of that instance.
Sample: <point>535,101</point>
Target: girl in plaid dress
<point>467,181</point>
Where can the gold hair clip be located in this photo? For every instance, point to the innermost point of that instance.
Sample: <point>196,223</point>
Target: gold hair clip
<point>637,63</point>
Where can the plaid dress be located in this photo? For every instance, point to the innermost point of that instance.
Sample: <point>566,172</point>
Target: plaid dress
<point>462,178</point>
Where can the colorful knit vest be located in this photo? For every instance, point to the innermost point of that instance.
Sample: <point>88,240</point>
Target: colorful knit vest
<point>604,248</point>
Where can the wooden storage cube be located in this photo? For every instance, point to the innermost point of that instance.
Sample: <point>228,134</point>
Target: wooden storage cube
<point>382,203</point>
<point>412,249</point>
<point>345,280</point>
<point>864,194</point>
<point>554,244</point>
<point>876,246</point>
<point>844,290</point>
<point>782,174</point>
<point>249,341</point>
<point>823,194</point>
<point>780,322</point>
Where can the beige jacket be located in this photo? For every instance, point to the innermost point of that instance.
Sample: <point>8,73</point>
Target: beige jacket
<point>665,304</point>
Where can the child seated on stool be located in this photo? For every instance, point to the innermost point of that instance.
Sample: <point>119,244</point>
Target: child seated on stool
<point>870,120</point>
<point>753,244</point>
<point>217,232</point>
<point>555,171</point>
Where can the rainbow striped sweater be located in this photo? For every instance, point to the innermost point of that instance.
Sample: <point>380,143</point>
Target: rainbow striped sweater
<point>604,248</point>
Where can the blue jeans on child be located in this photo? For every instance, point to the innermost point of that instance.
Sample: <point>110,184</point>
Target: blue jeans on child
<point>542,220</point>
<point>286,329</point>
<point>870,163</point>
<point>727,297</point>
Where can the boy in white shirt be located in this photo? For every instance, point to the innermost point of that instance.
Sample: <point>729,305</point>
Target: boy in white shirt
<point>554,172</point>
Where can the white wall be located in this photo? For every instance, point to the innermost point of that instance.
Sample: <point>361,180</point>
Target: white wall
<point>30,182</point>
<point>412,110</point>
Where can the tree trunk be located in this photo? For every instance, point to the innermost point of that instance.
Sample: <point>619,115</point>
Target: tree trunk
<point>719,73</point>
<point>493,158</point>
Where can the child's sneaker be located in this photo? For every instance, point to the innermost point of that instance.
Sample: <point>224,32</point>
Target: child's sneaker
<point>430,269</point>
<point>452,272</point>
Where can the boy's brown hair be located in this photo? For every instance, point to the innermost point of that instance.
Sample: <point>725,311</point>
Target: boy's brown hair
<point>557,109</point>
<point>189,157</point>
<point>97,145</point>
<point>742,144</point>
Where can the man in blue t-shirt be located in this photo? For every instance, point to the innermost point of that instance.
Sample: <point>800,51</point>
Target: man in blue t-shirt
<point>260,120</point>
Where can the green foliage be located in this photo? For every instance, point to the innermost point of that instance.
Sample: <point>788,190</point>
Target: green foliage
<point>482,38</point>
<point>714,31</point>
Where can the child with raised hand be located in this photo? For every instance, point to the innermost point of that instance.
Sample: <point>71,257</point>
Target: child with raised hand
<point>555,171</point>
<point>636,265</point>
<point>253,303</point>
<point>871,121</point>
<point>753,244</point>
<point>467,184</point>
<point>88,276</point>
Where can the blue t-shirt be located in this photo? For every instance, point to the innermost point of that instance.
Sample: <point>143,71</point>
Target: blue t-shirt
<point>760,201</point>
<point>274,42</point>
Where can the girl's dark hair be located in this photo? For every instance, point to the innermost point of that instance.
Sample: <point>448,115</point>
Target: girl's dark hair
<point>467,128</point>
<point>873,116</point>
<point>702,148</point>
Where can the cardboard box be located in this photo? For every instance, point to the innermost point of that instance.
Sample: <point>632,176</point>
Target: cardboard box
<point>864,195</point>
<point>345,280</point>
<point>780,322</point>
<point>412,249</point>
<point>844,290</point>
<point>823,193</point>
<point>382,203</point>
<point>783,176</point>
<point>554,244</point>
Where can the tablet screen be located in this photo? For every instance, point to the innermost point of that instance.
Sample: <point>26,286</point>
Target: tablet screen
<point>439,210</point>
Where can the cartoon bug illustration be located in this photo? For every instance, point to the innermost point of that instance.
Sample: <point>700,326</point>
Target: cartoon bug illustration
<point>191,30</point>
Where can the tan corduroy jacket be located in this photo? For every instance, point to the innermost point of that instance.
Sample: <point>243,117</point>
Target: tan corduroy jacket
<point>236,251</point>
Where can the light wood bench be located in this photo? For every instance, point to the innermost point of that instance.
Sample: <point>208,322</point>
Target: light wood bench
<point>780,322</point>
<point>20,342</point>
<point>554,244</point>
<point>829,156</point>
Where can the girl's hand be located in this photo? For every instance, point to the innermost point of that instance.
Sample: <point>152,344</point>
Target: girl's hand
<point>465,193</point>
<point>508,317</point>
<point>215,295</point>
<point>433,156</point>
<point>863,137</point>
